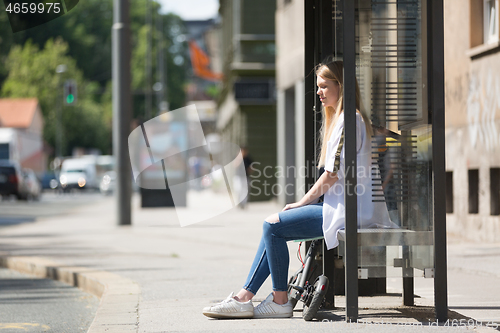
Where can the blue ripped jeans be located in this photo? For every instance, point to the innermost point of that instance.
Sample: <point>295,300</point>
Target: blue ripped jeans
<point>272,255</point>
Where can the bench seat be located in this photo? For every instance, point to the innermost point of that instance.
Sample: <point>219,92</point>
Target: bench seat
<point>391,237</point>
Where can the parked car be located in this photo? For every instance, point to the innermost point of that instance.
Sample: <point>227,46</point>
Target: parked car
<point>50,181</point>
<point>79,173</point>
<point>12,180</point>
<point>33,187</point>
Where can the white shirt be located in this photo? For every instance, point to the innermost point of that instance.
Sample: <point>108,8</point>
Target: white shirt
<point>370,214</point>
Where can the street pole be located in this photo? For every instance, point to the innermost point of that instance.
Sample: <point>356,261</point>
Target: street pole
<point>59,120</point>
<point>148,105</point>
<point>351,200</point>
<point>160,64</point>
<point>122,102</point>
<point>59,70</point>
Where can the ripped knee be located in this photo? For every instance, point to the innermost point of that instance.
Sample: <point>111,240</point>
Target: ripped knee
<point>274,218</point>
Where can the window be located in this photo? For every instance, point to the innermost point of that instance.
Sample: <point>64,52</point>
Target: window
<point>495,191</point>
<point>473,191</point>
<point>449,192</point>
<point>4,151</point>
<point>490,21</point>
<point>484,27</point>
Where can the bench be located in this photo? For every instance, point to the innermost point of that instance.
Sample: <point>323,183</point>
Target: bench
<point>373,243</point>
<point>391,237</point>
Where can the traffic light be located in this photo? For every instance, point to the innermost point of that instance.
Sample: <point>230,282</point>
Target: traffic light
<point>70,92</point>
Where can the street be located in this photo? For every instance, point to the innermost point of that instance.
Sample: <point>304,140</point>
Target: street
<point>205,105</point>
<point>179,270</point>
<point>30,304</point>
<point>43,305</point>
<point>51,203</point>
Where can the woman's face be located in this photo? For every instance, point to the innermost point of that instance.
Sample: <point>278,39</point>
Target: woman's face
<point>328,91</point>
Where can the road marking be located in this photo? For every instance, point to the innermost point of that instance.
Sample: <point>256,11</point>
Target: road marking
<point>22,326</point>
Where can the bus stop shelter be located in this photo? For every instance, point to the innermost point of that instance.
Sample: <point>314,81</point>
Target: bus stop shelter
<point>394,48</point>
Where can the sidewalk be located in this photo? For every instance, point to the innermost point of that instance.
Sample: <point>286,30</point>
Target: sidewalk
<point>155,276</point>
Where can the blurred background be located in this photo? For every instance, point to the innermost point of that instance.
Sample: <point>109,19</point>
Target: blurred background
<point>247,67</point>
<point>240,62</point>
<point>56,95</point>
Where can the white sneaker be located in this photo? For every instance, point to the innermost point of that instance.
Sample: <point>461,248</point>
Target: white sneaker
<point>230,308</point>
<point>269,309</point>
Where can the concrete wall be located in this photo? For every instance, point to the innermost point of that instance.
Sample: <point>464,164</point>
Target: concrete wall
<point>290,104</point>
<point>472,122</point>
<point>247,28</point>
<point>260,133</point>
<point>289,43</point>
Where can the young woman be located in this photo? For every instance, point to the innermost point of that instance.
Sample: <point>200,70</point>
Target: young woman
<point>307,218</point>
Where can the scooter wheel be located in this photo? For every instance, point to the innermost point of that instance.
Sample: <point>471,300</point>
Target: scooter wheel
<point>320,288</point>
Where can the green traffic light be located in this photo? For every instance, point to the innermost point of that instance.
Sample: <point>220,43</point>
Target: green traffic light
<point>70,98</point>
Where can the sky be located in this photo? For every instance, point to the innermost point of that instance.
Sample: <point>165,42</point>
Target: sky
<point>191,9</point>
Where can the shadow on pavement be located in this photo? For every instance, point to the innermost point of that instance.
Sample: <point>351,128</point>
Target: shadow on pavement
<point>8,221</point>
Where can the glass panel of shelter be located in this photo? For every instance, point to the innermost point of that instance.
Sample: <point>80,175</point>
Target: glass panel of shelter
<point>391,72</point>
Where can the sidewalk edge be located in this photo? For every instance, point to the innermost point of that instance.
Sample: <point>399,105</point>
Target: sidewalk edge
<point>118,308</point>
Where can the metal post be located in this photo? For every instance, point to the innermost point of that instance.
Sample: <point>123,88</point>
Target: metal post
<point>310,92</point>
<point>435,35</point>
<point>161,94</point>
<point>58,118</point>
<point>60,69</point>
<point>121,108</point>
<point>326,42</point>
<point>326,31</point>
<point>317,104</point>
<point>408,283</point>
<point>149,27</point>
<point>351,218</point>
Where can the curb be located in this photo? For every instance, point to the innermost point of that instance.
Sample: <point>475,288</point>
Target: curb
<point>118,308</point>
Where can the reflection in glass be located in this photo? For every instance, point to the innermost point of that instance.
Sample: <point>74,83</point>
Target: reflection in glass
<point>391,71</point>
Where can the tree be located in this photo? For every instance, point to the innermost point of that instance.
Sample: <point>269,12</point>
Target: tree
<point>86,32</point>
<point>175,57</point>
<point>86,29</point>
<point>32,73</point>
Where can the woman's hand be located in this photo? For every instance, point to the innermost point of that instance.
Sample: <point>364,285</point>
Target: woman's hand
<point>321,186</point>
<point>293,205</point>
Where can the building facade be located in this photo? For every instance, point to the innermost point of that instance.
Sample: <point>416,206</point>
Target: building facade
<point>21,133</point>
<point>472,76</point>
<point>290,96</point>
<point>247,102</point>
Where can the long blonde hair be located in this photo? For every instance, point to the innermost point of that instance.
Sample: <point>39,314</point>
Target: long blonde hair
<point>334,71</point>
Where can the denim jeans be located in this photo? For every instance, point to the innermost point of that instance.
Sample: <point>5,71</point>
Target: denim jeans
<point>272,254</point>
